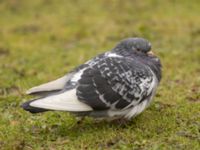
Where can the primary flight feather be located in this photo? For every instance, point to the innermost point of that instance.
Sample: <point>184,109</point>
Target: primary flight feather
<point>116,84</point>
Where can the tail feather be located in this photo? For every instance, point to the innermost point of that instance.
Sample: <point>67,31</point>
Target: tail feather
<point>61,101</point>
<point>50,87</point>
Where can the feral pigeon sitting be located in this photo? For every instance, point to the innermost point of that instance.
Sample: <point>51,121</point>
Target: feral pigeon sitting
<point>116,84</point>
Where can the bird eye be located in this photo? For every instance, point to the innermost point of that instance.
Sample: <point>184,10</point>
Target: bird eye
<point>135,48</point>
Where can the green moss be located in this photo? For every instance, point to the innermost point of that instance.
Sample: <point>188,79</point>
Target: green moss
<point>41,40</point>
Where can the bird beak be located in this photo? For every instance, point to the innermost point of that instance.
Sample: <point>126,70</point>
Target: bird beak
<point>150,53</point>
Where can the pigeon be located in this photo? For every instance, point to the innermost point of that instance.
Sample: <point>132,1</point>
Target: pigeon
<point>119,83</point>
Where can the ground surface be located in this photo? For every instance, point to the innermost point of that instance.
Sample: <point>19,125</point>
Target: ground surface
<point>42,40</point>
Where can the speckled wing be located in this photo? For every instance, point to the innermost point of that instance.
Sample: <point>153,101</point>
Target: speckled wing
<point>115,83</point>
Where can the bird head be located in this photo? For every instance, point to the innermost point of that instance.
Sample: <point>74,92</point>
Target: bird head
<point>135,44</point>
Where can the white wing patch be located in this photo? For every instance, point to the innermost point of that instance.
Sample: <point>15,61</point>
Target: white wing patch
<point>66,101</point>
<point>113,55</point>
<point>77,76</point>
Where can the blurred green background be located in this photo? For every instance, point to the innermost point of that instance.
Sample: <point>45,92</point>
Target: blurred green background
<point>41,40</point>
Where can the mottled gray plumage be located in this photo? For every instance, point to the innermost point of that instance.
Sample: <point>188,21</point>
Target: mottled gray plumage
<point>118,83</point>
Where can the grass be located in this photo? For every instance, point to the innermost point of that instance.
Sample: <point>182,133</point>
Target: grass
<point>41,40</point>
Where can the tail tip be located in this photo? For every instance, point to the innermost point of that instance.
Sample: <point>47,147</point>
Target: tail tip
<point>26,106</point>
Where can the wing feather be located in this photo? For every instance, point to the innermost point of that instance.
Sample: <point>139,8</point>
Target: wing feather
<point>115,83</point>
